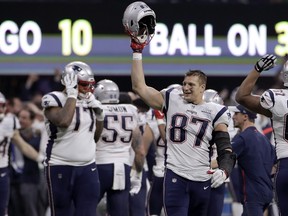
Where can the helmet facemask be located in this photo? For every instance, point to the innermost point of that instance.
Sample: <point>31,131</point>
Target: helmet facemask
<point>146,30</point>
<point>84,87</point>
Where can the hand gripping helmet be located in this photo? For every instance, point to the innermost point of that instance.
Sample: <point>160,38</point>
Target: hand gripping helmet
<point>3,104</point>
<point>284,73</point>
<point>139,21</point>
<point>107,91</point>
<point>85,76</point>
<point>211,95</point>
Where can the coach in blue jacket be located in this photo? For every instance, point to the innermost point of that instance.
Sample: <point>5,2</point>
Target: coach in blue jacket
<point>255,157</point>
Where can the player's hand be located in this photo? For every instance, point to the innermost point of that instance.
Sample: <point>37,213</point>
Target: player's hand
<point>218,177</point>
<point>96,105</point>
<point>265,63</point>
<point>136,182</point>
<point>136,46</point>
<point>159,117</point>
<point>70,82</point>
<point>92,102</point>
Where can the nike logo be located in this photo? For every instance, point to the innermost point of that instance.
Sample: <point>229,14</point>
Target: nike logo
<point>3,174</point>
<point>93,169</point>
<point>206,187</point>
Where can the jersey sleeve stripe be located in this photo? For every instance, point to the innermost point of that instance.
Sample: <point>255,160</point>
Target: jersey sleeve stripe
<point>56,99</point>
<point>167,98</point>
<point>272,96</point>
<point>219,114</point>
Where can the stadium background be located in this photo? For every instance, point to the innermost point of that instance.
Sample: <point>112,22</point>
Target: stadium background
<point>110,56</point>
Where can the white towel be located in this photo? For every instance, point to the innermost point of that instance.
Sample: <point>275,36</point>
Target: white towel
<point>119,177</point>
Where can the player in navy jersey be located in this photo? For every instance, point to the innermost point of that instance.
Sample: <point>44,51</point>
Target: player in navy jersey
<point>191,123</point>
<point>256,158</point>
<point>273,104</point>
<point>121,132</point>
<point>9,132</point>
<point>74,122</point>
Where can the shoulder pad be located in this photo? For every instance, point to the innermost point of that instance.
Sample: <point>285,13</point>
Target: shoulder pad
<point>54,99</point>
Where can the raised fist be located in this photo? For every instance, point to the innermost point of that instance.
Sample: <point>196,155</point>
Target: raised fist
<point>265,63</point>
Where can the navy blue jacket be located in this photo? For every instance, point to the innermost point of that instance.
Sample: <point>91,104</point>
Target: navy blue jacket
<point>255,157</point>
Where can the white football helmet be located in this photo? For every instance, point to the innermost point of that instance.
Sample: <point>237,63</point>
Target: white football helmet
<point>211,95</point>
<point>284,73</point>
<point>3,104</point>
<point>139,20</point>
<point>85,76</point>
<point>107,91</point>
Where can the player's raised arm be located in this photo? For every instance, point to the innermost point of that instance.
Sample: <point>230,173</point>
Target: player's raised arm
<point>244,96</point>
<point>62,116</point>
<point>139,21</point>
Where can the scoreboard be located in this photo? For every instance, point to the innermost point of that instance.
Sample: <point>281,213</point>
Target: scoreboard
<point>222,40</point>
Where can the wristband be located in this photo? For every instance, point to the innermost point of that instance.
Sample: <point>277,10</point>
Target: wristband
<point>72,93</point>
<point>137,56</point>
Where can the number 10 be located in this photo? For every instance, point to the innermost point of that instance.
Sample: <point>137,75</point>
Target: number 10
<point>76,37</point>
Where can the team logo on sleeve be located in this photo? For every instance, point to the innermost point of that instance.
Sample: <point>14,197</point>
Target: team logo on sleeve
<point>46,103</point>
<point>229,115</point>
<point>262,99</point>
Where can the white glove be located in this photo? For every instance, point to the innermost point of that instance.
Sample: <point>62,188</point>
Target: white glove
<point>96,105</point>
<point>265,63</point>
<point>218,177</point>
<point>70,82</point>
<point>136,182</point>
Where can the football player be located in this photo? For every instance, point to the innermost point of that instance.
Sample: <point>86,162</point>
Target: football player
<point>190,125</point>
<point>9,132</point>
<point>120,132</point>
<point>273,104</point>
<point>74,122</point>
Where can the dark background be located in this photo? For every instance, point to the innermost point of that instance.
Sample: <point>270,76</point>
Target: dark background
<point>107,16</point>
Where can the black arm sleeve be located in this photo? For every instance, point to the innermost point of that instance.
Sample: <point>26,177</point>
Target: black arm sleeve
<point>226,158</point>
